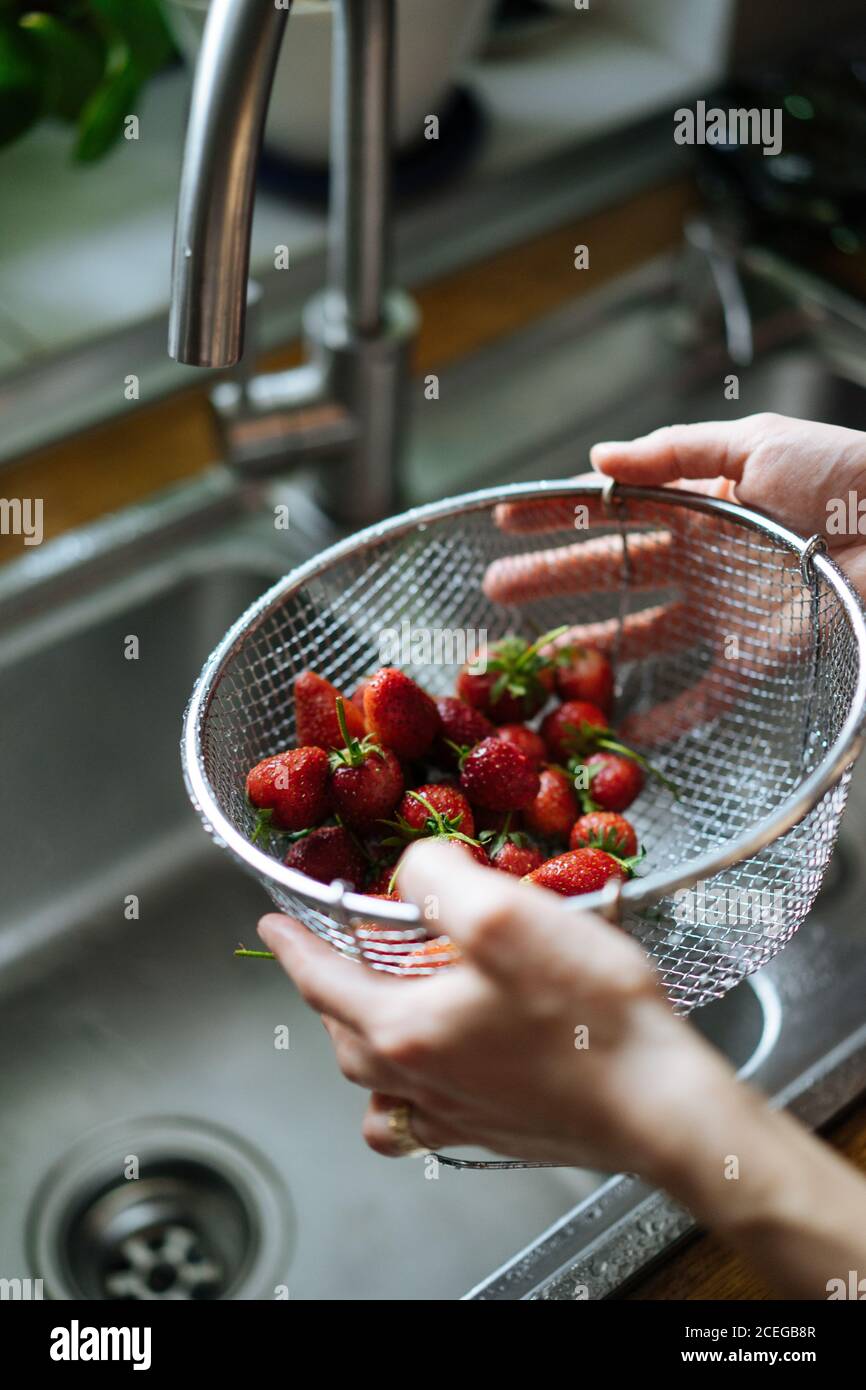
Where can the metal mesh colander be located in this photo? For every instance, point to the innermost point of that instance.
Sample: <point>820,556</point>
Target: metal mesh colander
<point>748,694</point>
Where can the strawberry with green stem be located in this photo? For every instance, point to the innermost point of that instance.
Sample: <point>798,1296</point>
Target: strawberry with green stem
<point>605,830</point>
<point>290,791</point>
<point>517,680</point>
<point>577,729</point>
<point>366,779</point>
<point>510,850</point>
<point>580,871</point>
<point>584,673</point>
<point>498,776</point>
<point>316,721</point>
<point>435,808</point>
<point>435,824</point>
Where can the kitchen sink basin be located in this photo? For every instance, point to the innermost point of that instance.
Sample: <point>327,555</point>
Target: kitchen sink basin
<point>123,1005</point>
<point>176,1125</point>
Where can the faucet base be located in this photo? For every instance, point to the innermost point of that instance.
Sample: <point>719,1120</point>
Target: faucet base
<point>369,376</point>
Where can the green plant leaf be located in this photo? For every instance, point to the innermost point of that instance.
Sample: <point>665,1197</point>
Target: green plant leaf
<point>141,27</point>
<point>101,122</point>
<point>71,62</point>
<point>20,83</point>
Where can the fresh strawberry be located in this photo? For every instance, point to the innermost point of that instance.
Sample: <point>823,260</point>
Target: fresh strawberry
<point>516,681</point>
<point>526,739</point>
<point>498,776</point>
<point>461,726</point>
<point>435,808</point>
<point>578,871</point>
<point>358,694</point>
<point>604,830</point>
<point>399,714</point>
<point>516,858</point>
<point>327,854</point>
<point>572,729</point>
<point>290,791</point>
<point>366,779</point>
<point>551,815</point>
<point>584,673</point>
<point>316,713</point>
<point>614,782</point>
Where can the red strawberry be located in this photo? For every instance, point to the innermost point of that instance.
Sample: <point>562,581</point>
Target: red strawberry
<point>584,673</point>
<point>399,714</point>
<point>517,859</point>
<point>316,713</point>
<point>498,776</point>
<point>366,780</point>
<point>448,804</point>
<point>327,854</point>
<point>614,782</point>
<point>604,830</point>
<point>568,730</point>
<point>551,815</point>
<point>290,791</point>
<point>461,725</point>
<point>516,681</point>
<point>358,693</point>
<point>526,739</point>
<point>577,871</point>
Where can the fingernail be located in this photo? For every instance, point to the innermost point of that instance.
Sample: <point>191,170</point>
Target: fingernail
<point>270,928</point>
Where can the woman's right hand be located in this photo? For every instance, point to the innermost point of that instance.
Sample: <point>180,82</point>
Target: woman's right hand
<point>798,473</point>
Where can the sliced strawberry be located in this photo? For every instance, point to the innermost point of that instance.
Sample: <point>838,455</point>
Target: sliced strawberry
<point>399,714</point>
<point>462,726</point>
<point>516,681</point>
<point>316,713</point>
<point>573,729</point>
<point>614,782</point>
<point>604,830</point>
<point>498,776</point>
<point>526,739</point>
<point>552,813</point>
<point>584,673</point>
<point>326,854</point>
<point>578,871</point>
<point>291,790</point>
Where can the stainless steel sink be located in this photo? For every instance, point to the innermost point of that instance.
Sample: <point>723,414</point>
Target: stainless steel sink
<point>139,1050</point>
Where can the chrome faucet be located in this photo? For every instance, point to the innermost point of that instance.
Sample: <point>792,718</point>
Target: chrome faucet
<point>347,405</point>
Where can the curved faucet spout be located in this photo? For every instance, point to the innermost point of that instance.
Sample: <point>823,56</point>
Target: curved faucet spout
<point>214,215</point>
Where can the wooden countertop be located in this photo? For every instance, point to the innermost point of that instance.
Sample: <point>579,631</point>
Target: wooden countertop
<point>133,456</point>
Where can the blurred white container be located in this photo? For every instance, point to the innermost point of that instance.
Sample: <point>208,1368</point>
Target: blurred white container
<point>434,39</point>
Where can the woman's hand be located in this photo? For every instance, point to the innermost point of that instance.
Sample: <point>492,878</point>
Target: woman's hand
<point>550,1040</point>
<point>799,473</point>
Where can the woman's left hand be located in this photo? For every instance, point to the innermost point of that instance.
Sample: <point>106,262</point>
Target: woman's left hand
<point>550,1040</point>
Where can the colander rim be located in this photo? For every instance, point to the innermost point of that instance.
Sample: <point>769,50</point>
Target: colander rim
<point>335,899</point>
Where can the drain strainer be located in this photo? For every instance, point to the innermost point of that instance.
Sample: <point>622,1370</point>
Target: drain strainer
<point>162,1209</point>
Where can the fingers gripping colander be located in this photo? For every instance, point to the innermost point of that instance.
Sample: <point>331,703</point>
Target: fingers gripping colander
<point>740,657</point>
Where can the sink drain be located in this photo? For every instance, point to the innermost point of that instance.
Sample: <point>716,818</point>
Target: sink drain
<point>162,1210</point>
